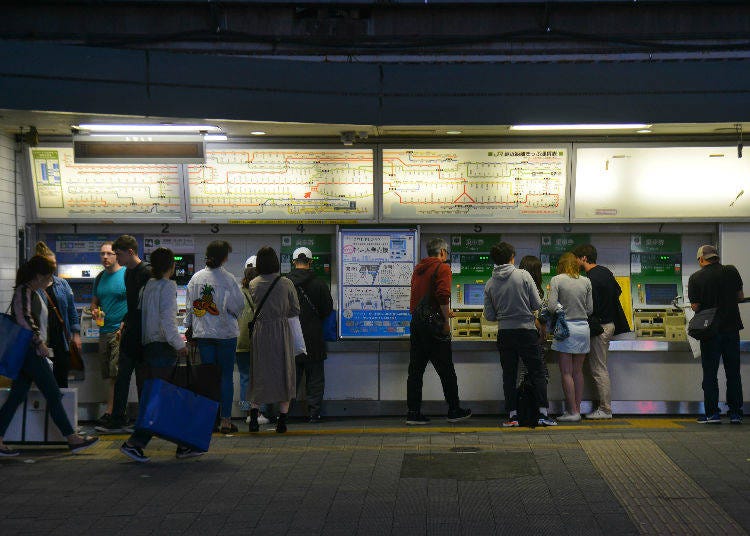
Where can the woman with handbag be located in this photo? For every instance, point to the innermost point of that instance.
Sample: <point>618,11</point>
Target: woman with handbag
<point>162,341</point>
<point>64,326</point>
<point>273,367</point>
<point>214,303</point>
<point>33,276</point>
<point>573,293</point>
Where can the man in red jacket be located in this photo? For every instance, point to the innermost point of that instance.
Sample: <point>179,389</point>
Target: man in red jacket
<point>432,278</point>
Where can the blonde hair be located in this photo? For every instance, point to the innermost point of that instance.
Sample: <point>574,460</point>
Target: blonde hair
<point>568,264</point>
<point>43,249</point>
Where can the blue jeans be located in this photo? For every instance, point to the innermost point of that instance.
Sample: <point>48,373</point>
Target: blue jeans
<point>726,346</point>
<point>221,351</point>
<point>37,370</point>
<point>157,355</point>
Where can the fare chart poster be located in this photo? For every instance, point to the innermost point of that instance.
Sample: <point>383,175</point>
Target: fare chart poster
<point>375,282</point>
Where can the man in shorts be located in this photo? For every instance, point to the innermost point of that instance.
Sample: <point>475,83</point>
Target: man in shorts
<point>108,307</point>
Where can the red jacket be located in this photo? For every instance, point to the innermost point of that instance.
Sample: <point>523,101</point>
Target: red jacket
<point>422,277</point>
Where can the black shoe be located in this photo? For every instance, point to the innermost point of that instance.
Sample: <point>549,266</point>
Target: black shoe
<point>115,425</point>
<point>186,452</point>
<point>134,453</point>
<point>87,442</point>
<point>7,452</point>
<point>254,426</point>
<point>104,420</point>
<point>458,414</point>
<point>315,419</point>
<point>416,418</point>
<point>281,424</point>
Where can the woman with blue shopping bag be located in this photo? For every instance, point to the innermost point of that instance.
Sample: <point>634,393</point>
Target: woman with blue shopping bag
<point>35,275</point>
<point>162,342</point>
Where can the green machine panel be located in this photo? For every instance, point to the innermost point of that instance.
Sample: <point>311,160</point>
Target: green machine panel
<point>655,269</point>
<point>320,245</point>
<point>472,267</point>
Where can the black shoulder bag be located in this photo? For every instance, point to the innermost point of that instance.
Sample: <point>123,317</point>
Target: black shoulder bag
<point>425,315</point>
<point>705,323</point>
<point>251,324</point>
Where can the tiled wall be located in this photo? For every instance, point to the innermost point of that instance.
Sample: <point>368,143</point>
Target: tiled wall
<point>8,229</point>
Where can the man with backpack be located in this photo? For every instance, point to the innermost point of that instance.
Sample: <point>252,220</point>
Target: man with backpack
<point>430,339</point>
<point>511,298</point>
<point>315,305</point>
<point>719,286</point>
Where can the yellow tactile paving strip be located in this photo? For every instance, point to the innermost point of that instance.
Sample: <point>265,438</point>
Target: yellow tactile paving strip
<point>659,497</point>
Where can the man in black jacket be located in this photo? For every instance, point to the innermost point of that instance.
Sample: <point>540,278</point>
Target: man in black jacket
<point>315,305</point>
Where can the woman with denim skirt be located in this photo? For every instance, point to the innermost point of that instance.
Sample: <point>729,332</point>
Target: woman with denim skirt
<point>33,276</point>
<point>161,339</point>
<point>214,303</point>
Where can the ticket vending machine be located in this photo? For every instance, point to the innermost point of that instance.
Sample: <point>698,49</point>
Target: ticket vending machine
<point>656,280</point>
<point>318,244</point>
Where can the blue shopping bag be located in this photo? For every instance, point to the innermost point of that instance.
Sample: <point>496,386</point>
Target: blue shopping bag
<point>176,414</point>
<point>329,327</point>
<point>14,343</point>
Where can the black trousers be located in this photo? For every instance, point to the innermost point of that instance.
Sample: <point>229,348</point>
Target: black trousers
<point>425,349</point>
<point>523,344</point>
<point>315,383</point>
<point>61,365</point>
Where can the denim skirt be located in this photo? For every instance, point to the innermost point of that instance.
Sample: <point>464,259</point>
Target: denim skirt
<point>578,342</point>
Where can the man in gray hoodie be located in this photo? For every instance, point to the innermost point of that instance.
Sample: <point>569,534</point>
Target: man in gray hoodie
<point>511,298</point>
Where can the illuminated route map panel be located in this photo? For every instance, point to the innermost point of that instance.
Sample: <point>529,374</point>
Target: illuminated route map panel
<point>375,281</point>
<point>244,185</point>
<point>510,184</point>
<point>103,192</point>
<point>631,183</point>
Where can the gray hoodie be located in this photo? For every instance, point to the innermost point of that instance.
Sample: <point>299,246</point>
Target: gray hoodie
<point>511,297</point>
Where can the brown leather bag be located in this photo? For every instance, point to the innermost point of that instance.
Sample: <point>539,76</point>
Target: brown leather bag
<point>76,361</point>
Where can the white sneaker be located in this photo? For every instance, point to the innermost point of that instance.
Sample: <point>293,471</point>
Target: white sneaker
<point>599,414</point>
<point>569,417</point>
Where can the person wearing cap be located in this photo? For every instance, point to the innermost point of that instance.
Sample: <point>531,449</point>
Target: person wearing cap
<point>720,286</point>
<point>315,305</point>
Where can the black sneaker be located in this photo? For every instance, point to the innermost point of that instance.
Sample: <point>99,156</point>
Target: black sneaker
<point>113,426</point>
<point>186,452</point>
<point>104,420</point>
<point>7,452</point>
<point>458,414</point>
<point>87,442</point>
<point>415,418</point>
<point>134,453</point>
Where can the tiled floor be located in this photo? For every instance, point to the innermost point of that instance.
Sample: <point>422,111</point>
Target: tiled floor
<point>376,476</point>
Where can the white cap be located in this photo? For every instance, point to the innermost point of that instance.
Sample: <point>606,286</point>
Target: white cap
<point>302,252</point>
<point>251,260</point>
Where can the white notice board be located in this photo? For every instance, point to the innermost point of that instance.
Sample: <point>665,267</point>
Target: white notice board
<point>248,185</point>
<point>637,183</point>
<point>511,184</point>
<point>66,191</point>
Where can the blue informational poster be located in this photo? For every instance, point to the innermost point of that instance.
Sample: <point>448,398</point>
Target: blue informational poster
<point>375,282</point>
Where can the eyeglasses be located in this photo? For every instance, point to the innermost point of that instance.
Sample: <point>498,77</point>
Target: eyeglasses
<point>106,254</point>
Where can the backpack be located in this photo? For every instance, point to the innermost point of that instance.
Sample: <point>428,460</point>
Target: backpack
<point>527,404</point>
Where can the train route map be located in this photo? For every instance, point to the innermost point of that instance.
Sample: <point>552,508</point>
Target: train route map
<point>116,192</point>
<point>265,184</point>
<point>524,184</point>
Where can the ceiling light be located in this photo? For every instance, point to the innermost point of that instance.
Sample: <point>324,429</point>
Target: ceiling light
<point>644,131</point>
<point>215,137</point>
<point>146,128</point>
<point>453,132</point>
<point>258,133</point>
<point>627,126</point>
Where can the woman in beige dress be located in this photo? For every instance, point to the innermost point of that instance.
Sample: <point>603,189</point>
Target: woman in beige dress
<point>273,369</point>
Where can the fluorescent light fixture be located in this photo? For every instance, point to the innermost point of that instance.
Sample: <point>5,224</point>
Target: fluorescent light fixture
<point>453,132</point>
<point>258,133</point>
<point>95,127</point>
<point>626,126</point>
<point>215,137</point>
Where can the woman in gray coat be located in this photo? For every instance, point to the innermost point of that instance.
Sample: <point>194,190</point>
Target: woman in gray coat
<point>273,369</point>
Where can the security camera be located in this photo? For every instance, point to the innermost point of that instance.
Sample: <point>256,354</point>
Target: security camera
<point>348,137</point>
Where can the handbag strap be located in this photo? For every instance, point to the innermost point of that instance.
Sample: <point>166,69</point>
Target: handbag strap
<point>260,306</point>
<point>308,300</point>
<point>58,315</point>
<point>249,303</point>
